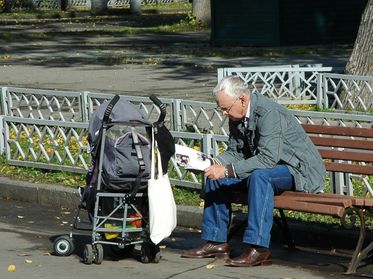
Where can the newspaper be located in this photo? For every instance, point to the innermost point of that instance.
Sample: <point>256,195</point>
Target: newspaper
<point>190,158</point>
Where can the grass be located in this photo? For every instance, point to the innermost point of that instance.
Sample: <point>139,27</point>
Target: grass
<point>40,176</point>
<point>24,13</point>
<point>183,196</point>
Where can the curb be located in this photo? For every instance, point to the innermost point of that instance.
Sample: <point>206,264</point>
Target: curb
<point>64,197</point>
<point>187,216</point>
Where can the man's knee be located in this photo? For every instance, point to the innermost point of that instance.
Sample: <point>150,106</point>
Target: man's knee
<point>259,175</point>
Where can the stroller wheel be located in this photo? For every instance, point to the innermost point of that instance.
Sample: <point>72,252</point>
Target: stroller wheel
<point>63,246</point>
<point>150,253</point>
<point>88,255</point>
<point>99,256</point>
<point>157,257</point>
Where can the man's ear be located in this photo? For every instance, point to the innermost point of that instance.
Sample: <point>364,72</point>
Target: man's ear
<point>243,100</point>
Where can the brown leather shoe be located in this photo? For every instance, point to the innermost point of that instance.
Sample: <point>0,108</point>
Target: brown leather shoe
<point>208,250</point>
<point>251,257</point>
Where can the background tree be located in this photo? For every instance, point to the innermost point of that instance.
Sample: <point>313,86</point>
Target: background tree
<point>361,59</point>
<point>135,7</point>
<point>202,11</point>
<point>358,95</point>
<point>98,6</point>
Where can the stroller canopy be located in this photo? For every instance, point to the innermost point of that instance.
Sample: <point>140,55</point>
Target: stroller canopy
<point>122,112</point>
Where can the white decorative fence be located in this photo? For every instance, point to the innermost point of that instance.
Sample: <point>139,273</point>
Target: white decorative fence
<point>86,4</point>
<point>48,129</point>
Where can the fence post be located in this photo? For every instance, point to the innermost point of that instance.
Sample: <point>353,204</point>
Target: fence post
<point>2,140</point>
<point>207,144</point>
<point>3,111</point>
<point>176,115</point>
<point>220,74</point>
<point>340,183</point>
<point>206,148</point>
<point>295,81</point>
<point>84,106</point>
<point>3,100</point>
<point>319,91</point>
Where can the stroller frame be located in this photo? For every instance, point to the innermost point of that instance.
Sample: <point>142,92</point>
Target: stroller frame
<point>125,202</point>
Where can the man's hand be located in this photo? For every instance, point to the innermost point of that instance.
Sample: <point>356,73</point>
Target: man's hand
<point>215,172</point>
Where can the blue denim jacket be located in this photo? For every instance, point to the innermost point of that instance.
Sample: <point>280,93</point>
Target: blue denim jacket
<point>275,138</point>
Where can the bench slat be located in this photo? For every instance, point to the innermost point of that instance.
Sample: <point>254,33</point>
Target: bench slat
<point>322,198</point>
<point>319,200</point>
<point>346,155</point>
<point>324,209</point>
<point>356,201</point>
<point>338,130</point>
<point>343,143</point>
<point>349,168</point>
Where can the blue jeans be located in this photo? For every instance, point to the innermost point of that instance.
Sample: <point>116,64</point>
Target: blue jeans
<point>261,185</point>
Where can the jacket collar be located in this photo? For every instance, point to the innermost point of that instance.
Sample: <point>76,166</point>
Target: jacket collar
<point>253,106</point>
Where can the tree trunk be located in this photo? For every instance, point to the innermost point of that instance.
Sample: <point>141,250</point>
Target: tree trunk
<point>361,60</point>
<point>98,6</point>
<point>202,11</point>
<point>135,7</point>
<point>357,95</point>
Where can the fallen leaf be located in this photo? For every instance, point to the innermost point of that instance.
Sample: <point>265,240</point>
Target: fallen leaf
<point>28,261</point>
<point>65,222</point>
<point>11,268</point>
<point>20,217</point>
<point>210,266</point>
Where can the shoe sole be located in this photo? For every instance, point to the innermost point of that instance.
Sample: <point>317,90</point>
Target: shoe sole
<point>262,263</point>
<point>223,256</point>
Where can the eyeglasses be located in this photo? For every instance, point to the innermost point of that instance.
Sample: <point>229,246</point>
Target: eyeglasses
<point>226,110</point>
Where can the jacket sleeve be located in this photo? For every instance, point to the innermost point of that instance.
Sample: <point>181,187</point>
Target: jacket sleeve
<point>269,131</point>
<point>234,152</point>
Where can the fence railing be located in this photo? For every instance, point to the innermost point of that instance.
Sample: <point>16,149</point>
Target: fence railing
<point>347,93</point>
<point>48,129</point>
<point>81,4</point>
<point>288,84</point>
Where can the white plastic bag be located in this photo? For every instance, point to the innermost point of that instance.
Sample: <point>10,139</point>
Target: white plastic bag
<point>162,207</point>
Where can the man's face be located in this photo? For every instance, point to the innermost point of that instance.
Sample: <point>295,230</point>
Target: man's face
<point>233,107</point>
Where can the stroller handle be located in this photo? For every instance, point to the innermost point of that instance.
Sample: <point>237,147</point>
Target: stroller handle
<point>161,106</point>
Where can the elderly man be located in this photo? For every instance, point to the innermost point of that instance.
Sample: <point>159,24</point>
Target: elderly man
<point>268,152</point>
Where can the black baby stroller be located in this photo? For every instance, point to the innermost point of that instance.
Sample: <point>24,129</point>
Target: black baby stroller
<point>115,195</point>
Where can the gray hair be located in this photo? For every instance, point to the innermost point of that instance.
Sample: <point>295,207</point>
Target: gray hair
<point>232,86</point>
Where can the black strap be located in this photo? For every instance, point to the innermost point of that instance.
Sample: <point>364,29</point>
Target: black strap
<point>109,108</point>
<point>140,158</point>
<point>105,120</point>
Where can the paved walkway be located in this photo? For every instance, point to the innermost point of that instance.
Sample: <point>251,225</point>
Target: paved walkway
<point>30,228</point>
<point>92,56</point>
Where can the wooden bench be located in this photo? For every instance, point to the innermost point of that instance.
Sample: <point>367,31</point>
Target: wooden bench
<point>346,150</point>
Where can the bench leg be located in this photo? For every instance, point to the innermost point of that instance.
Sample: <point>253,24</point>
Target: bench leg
<point>359,253</point>
<point>285,230</point>
<point>235,227</point>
